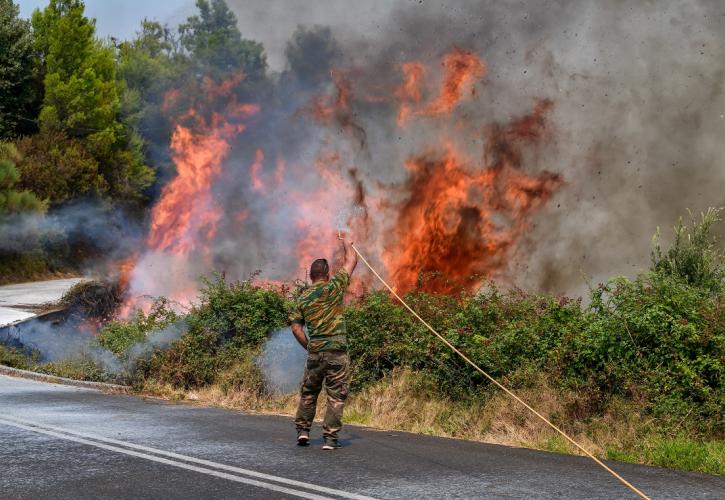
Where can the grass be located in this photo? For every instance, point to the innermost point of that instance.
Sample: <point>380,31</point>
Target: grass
<point>15,268</point>
<point>13,358</point>
<point>399,402</point>
<point>676,453</point>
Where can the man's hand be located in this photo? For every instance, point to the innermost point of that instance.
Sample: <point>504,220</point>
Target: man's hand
<point>350,253</point>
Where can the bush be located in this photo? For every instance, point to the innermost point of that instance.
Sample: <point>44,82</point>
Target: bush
<point>239,311</point>
<point>118,336</point>
<point>657,338</point>
<point>230,319</point>
<point>13,358</point>
<point>510,335</point>
<point>695,255</point>
<point>191,361</point>
<point>80,367</point>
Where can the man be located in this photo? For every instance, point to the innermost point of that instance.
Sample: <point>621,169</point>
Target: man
<point>320,307</point>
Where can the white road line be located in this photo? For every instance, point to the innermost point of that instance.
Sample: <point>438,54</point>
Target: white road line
<point>208,463</point>
<point>76,437</point>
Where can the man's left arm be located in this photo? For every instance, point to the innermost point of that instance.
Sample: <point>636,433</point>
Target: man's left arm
<point>299,334</point>
<point>297,321</point>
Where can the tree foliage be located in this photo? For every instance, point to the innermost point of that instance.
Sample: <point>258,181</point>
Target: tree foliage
<point>18,79</point>
<point>58,167</point>
<point>83,99</point>
<point>13,200</point>
<point>216,46</point>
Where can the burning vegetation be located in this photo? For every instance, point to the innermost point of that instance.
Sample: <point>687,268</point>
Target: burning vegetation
<point>443,212</point>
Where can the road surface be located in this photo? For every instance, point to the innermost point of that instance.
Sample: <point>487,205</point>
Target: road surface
<point>17,301</point>
<point>71,443</point>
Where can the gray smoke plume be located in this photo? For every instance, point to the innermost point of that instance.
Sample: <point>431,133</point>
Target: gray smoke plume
<point>104,232</point>
<point>282,362</point>
<point>638,114</point>
<point>55,341</point>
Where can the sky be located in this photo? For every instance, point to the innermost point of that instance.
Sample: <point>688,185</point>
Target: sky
<point>270,21</point>
<point>122,18</point>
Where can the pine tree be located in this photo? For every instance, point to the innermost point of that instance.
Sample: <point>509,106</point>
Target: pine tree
<point>83,97</point>
<point>216,45</point>
<point>18,81</point>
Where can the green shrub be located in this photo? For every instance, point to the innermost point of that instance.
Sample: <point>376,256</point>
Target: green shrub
<point>118,336</point>
<point>695,255</point>
<point>80,367</point>
<point>508,334</point>
<point>13,358</point>
<point>229,320</point>
<point>656,338</point>
<point>239,311</point>
<point>191,361</point>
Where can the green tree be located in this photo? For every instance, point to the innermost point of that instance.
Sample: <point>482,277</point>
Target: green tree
<point>216,45</point>
<point>58,167</point>
<point>148,67</point>
<point>83,99</point>
<point>18,82</point>
<point>11,199</point>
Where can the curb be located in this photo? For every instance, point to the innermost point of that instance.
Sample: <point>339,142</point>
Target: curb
<point>42,377</point>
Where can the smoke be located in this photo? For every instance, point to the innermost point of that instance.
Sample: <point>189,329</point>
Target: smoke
<point>355,106</point>
<point>154,341</point>
<point>99,231</point>
<point>57,340</point>
<point>638,110</point>
<point>282,362</point>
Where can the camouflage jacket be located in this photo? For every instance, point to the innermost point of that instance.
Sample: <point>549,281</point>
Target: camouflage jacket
<point>320,307</point>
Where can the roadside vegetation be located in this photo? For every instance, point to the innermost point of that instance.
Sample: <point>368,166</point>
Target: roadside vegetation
<point>636,373</point>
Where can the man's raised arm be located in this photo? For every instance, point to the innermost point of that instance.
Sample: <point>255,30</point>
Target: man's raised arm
<point>350,255</point>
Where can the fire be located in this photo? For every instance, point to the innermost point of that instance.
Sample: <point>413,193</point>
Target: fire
<point>460,220</point>
<point>256,169</point>
<point>186,208</point>
<point>455,216</point>
<point>462,69</point>
<point>184,221</point>
<point>409,93</point>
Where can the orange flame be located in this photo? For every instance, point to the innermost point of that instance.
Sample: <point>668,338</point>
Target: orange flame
<point>460,221</point>
<point>255,171</point>
<point>409,92</point>
<point>184,221</point>
<point>461,69</point>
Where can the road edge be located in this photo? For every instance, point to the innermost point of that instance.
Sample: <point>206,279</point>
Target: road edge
<point>53,379</point>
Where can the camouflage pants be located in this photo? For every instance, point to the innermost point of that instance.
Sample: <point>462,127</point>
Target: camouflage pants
<point>331,368</point>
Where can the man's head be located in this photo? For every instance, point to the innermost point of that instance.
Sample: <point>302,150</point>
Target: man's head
<point>320,270</point>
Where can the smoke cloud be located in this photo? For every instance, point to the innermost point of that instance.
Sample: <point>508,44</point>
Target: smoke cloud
<point>67,338</point>
<point>638,110</point>
<point>101,232</point>
<point>282,362</point>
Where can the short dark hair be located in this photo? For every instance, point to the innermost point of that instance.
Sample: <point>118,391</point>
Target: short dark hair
<point>319,269</point>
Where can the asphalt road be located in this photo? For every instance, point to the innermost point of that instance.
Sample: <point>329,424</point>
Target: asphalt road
<point>16,299</point>
<point>71,443</point>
